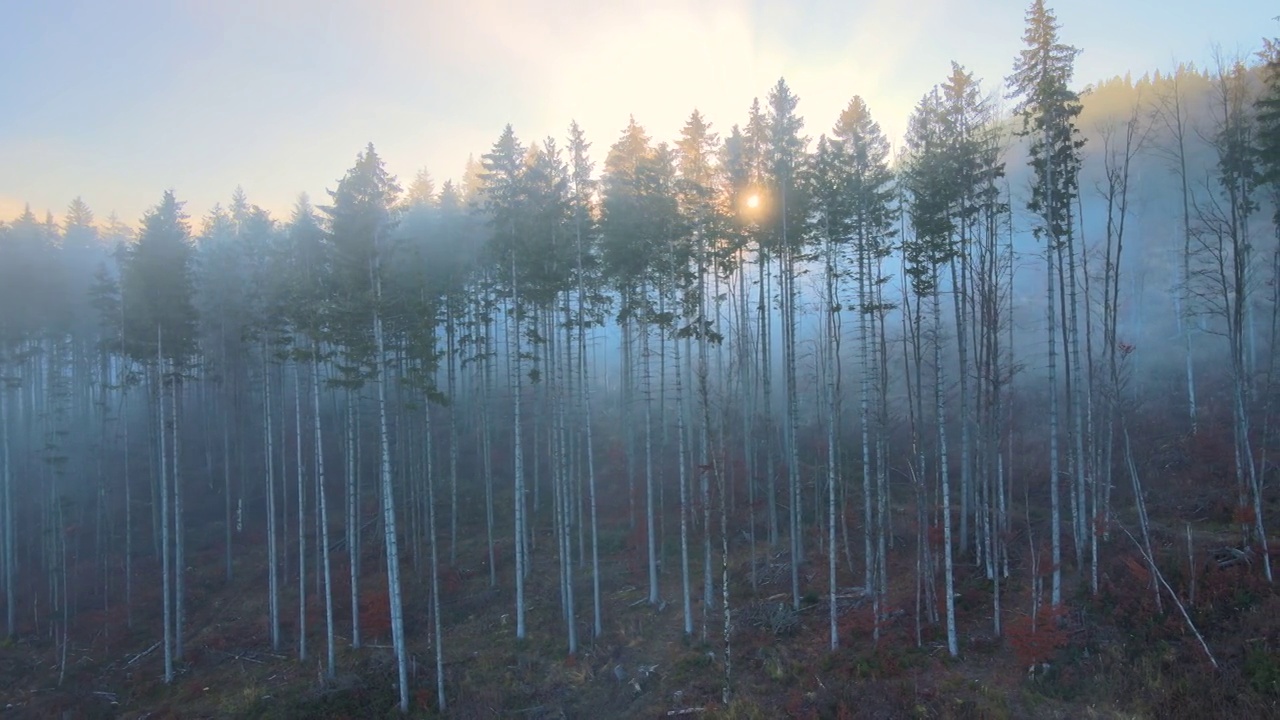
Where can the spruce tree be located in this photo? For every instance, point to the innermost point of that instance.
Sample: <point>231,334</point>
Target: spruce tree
<point>306,281</point>
<point>160,327</point>
<point>360,223</point>
<point>589,314</point>
<point>1267,134</point>
<point>869,194</point>
<point>826,177</point>
<point>627,251</point>
<point>1048,108</point>
<point>929,180</point>
<point>786,156</point>
<point>505,198</point>
<point>700,230</point>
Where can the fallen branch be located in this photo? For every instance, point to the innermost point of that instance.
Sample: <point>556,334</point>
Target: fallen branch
<point>1229,556</point>
<point>249,655</point>
<point>143,654</point>
<point>1172,594</point>
<point>686,711</point>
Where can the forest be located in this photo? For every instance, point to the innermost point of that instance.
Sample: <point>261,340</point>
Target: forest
<point>744,424</point>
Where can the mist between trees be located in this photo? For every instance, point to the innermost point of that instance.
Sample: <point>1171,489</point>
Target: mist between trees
<point>741,342</point>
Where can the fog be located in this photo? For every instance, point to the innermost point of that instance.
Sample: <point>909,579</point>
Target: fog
<point>760,363</point>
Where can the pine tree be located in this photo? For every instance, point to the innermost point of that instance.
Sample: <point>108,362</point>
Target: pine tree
<point>827,181</point>
<point>160,324</point>
<point>869,191</point>
<point>786,155</point>
<point>547,261</point>
<point>758,169</point>
<point>306,281</point>
<point>505,203</point>
<point>589,314</point>
<point>929,180</point>
<point>421,192</point>
<point>360,222</point>
<point>1267,133</point>
<point>700,227</point>
<point>1048,108</point>
<point>631,204</point>
<point>422,274</point>
<point>740,199</point>
<point>257,243</point>
<point>1227,256</point>
<point>227,302</point>
<point>82,253</point>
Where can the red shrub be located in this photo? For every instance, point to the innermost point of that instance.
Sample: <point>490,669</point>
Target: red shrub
<point>424,698</point>
<point>450,581</point>
<point>1037,641</point>
<point>1244,515</point>
<point>936,536</point>
<point>375,612</point>
<point>1138,569</point>
<point>797,706</point>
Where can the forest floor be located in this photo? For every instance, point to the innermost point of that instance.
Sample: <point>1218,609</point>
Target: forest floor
<point>1111,655</point>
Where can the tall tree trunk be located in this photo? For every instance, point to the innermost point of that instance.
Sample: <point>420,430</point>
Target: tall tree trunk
<point>10,553</point>
<point>833,371</point>
<point>960,302</point>
<point>793,412</point>
<point>746,360</point>
<point>273,564</point>
<point>944,470</point>
<point>353,511</point>
<point>1077,399</point>
<point>1054,479</point>
<point>880,367</point>
<point>766,379</point>
<point>179,599</point>
<point>322,518</point>
<point>513,353</point>
<point>627,388</point>
<point>584,386</point>
<point>302,519</point>
<point>452,384</point>
<point>389,509</point>
<point>164,513</point>
<point>226,464</point>
<point>486,436</point>
<point>441,703</point>
<point>649,508</point>
<point>128,506</point>
<point>684,497</point>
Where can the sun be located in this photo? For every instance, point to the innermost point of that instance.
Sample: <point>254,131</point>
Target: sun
<point>753,201</point>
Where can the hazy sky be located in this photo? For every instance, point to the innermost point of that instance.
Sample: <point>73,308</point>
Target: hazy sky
<point>118,100</point>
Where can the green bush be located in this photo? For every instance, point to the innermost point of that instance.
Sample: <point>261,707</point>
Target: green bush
<point>1262,669</point>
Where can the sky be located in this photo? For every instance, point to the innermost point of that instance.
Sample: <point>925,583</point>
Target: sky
<point>118,101</point>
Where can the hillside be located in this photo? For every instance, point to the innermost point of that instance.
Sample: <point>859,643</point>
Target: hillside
<point>1111,656</point>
